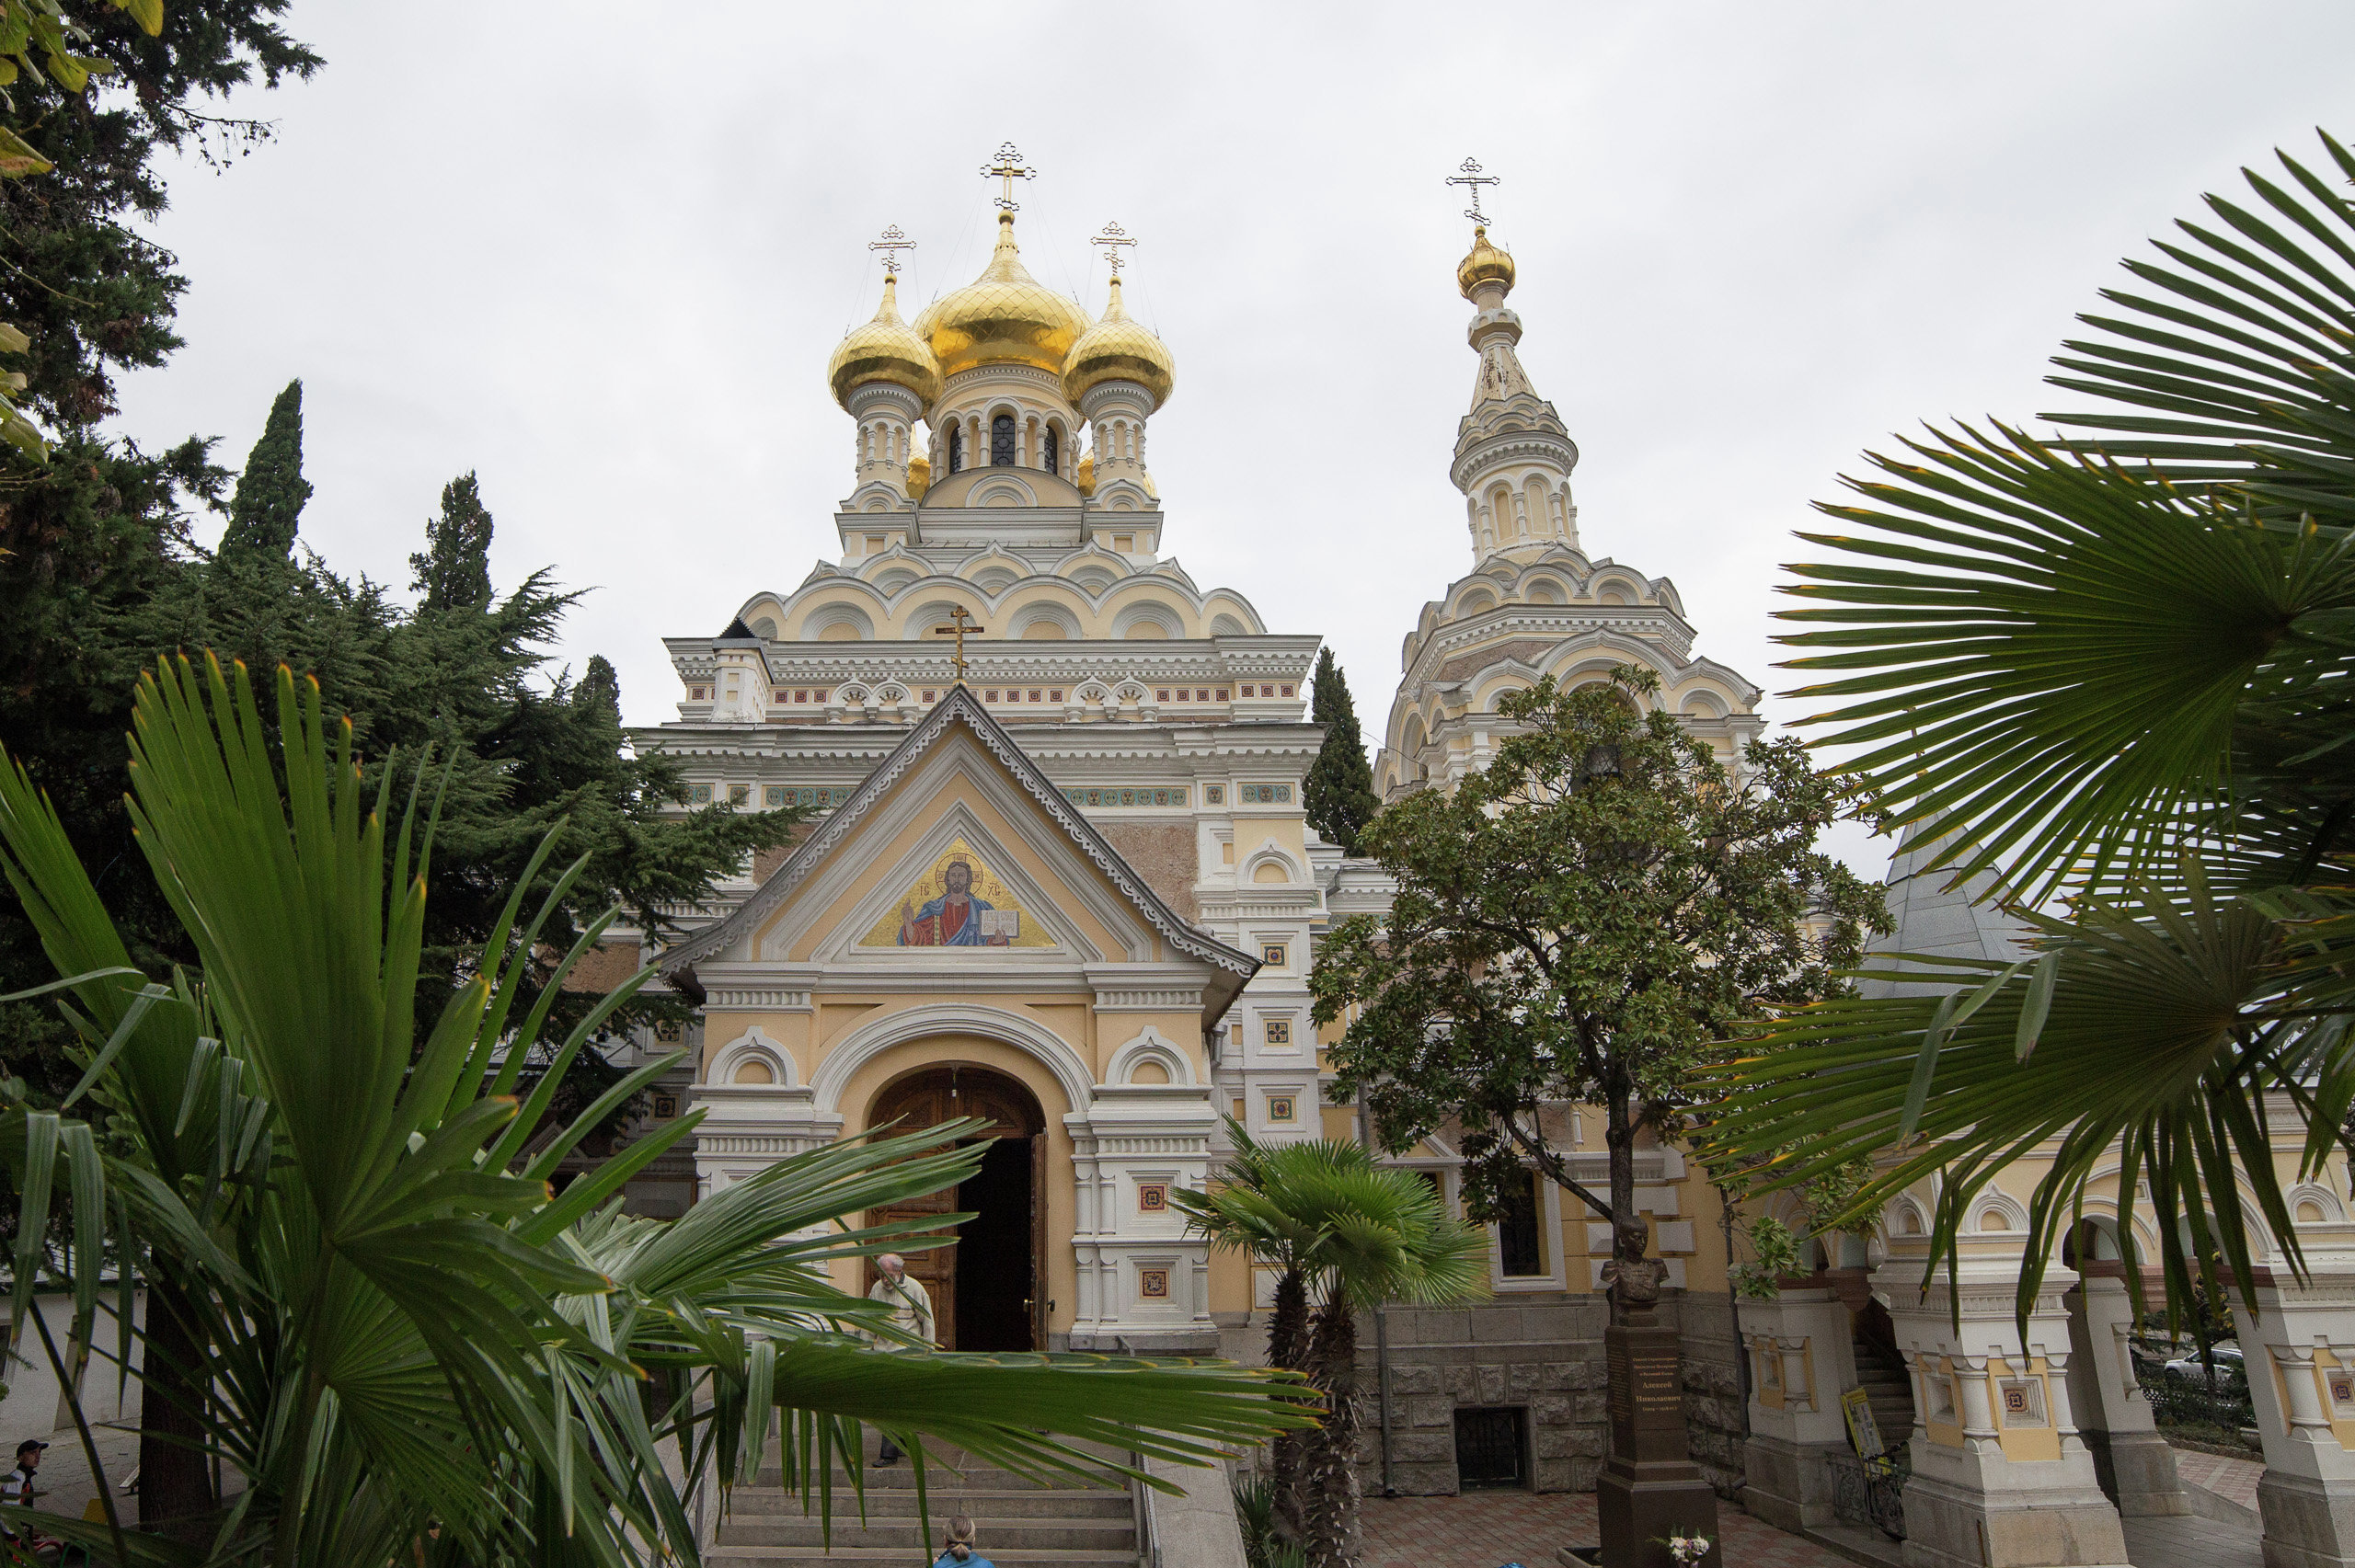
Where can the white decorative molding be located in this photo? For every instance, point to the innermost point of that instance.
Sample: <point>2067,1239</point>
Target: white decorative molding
<point>1173,998</point>
<point>871,1040</point>
<point>1150,1046</point>
<point>754,999</point>
<point>752,1046</point>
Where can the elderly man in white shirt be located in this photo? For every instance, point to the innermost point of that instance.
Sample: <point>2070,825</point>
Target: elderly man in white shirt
<point>911,1306</point>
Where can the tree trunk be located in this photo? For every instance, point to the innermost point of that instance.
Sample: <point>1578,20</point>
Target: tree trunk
<point>1288,1346</point>
<point>1632,1290</point>
<point>1329,1471</point>
<point>175,1486</point>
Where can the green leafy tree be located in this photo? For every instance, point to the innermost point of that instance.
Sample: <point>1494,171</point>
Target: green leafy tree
<point>91,534</point>
<point>266,510</point>
<point>1587,921</point>
<point>1338,791</point>
<point>2113,670</point>
<point>453,572</point>
<point>1351,1235</point>
<point>389,1327</point>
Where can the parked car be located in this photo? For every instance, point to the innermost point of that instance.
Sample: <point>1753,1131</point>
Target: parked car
<point>2229,1364</point>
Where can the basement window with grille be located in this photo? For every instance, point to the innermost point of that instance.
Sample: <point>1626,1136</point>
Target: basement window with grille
<point>1490,1450</point>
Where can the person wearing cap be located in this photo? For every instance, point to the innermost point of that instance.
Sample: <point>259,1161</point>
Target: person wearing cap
<point>18,1491</point>
<point>960,1553</point>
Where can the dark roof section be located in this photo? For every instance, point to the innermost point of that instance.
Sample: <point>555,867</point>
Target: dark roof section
<point>960,706</point>
<point>737,632</point>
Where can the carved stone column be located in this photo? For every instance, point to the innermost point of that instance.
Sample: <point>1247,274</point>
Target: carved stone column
<point>1802,1358</point>
<point>2135,1465</point>
<point>2000,1480</point>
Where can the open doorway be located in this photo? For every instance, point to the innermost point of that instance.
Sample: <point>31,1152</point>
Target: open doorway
<point>986,1285</point>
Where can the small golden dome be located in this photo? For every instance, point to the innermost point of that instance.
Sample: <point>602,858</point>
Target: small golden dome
<point>1004,317</point>
<point>1118,348</point>
<point>886,349</point>
<point>1484,263</point>
<point>1086,475</point>
<point>919,476</point>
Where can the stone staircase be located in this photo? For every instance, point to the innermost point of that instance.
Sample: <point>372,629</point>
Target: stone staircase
<point>1880,1372</point>
<point>1020,1524</point>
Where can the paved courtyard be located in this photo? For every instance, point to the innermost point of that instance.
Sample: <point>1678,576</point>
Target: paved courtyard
<point>1484,1529</point>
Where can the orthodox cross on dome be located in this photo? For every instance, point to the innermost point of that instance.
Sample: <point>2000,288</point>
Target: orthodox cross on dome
<point>961,622</point>
<point>1112,239</point>
<point>1475,179</point>
<point>890,244</point>
<point>1009,168</point>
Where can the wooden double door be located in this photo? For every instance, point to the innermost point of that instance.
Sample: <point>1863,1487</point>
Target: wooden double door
<point>988,1286</point>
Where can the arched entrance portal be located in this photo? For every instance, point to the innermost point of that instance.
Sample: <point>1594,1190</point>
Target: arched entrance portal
<point>988,1286</point>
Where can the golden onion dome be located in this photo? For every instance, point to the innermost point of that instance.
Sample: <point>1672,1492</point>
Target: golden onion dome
<point>919,475</point>
<point>1085,477</point>
<point>1118,348</point>
<point>886,349</point>
<point>1483,264</point>
<point>1004,317</point>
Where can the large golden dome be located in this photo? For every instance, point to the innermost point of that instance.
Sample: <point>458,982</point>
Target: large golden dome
<point>1004,317</point>
<point>1484,263</point>
<point>1118,348</point>
<point>886,349</point>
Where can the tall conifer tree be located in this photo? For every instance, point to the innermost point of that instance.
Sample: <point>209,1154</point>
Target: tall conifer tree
<point>453,572</point>
<point>267,506</point>
<point>1340,790</point>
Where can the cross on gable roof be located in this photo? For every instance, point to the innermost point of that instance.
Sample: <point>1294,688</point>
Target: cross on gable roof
<point>959,707</point>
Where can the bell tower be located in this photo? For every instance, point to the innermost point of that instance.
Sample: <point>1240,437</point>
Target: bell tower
<point>1513,455</point>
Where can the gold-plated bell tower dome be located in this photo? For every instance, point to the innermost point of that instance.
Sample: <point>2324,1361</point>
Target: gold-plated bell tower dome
<point>1484,263</point>
<point>1004,317</point>
<point>1118,347</point>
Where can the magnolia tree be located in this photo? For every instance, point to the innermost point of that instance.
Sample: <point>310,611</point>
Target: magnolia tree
<point>1587,921</point>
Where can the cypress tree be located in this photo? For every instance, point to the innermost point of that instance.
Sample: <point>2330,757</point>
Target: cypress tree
<point>1339,789</point>
<point>267,506</point>
<point>453,572</point>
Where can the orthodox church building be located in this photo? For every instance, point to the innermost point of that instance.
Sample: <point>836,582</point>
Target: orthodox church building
<point>1058,872</point>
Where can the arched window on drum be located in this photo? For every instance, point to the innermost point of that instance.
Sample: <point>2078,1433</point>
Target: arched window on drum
<point>956,449</point>
<point>1002,443</point>
<point>1047,453</point>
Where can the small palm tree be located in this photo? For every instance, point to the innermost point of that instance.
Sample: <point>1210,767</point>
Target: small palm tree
<point>1347,1234</point>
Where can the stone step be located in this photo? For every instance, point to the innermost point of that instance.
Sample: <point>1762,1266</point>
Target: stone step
<point>900,1557</point>
<point>1012,1535</point>
<point>900,1503</point>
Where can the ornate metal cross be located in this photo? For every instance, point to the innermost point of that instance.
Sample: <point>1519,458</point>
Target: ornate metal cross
<point>1009,168</point>
<point>890,244</point>
<point>1475,179</point>
<point>1112,239</point>
<point>960,622</point>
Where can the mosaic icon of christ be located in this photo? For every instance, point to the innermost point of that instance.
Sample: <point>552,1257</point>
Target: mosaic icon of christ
<point>952,919</point>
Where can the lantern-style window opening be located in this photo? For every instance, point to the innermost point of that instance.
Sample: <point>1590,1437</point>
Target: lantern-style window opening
<point>1047,453</point>
<point>1002,441</point>
<point>956,449</point>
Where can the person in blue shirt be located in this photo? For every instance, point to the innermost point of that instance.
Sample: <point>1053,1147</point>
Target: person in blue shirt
<point>960,1553</point>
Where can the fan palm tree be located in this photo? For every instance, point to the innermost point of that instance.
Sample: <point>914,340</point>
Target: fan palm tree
<point>2114,672</point>
<point>1348,1234</point>
<point>365,1299</point>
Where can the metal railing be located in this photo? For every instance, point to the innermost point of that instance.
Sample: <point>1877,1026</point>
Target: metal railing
<point>2189,1399</point>
<point>1870,1491</point>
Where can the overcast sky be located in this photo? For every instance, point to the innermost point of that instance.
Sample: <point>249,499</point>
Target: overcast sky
<point>598,253</point>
